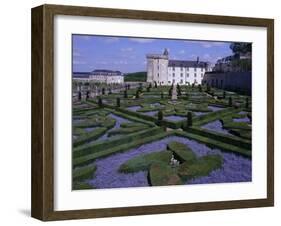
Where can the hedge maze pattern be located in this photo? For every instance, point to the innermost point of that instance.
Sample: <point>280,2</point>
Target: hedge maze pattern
<point>139,137</point>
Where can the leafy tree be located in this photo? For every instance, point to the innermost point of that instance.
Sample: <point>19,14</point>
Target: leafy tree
<point>247,103</point>
<point>224,94</point>
<point>125,94</point>
<point>241,48</point>
<point>230,101</point>
<point>160,115</point>
<point>100,102</point>
<point>118,101</point>
<point>189,119</point>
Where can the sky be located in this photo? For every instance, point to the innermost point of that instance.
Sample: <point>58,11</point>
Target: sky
<point>127,54</point>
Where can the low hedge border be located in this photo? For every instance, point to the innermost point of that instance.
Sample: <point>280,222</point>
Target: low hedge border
<point>203,119</point>
<point>221,137</point>
<point>132,118</point>
<point>90,136</point>
<point>125,131</point>
<point>216,144</point>
<point>87,159</point>
<point>113,142</point>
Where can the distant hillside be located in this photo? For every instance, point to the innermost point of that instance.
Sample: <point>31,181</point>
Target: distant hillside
<point>136,77</point>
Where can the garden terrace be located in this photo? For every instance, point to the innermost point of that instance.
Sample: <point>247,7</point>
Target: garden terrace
<point>139,146</point>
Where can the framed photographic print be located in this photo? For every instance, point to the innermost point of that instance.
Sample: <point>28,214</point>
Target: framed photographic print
<point>141,112</point>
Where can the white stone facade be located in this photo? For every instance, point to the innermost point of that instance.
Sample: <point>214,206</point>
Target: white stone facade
<point>106,76</point>
<point>167,72</point>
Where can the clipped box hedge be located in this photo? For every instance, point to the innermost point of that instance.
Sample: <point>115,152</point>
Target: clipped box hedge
<point>143,162</point>
<point>86,137</point>
<point>221,137</point>
<point>201,167</point>
<point>83,173</point>
<point>113,142</point>
<point>216,144</point>
<point>181,152</point>
<point>162,175</point>
<point>87,159</point>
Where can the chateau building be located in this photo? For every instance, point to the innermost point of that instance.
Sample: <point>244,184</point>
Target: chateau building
<point>107,76</point>
<point>100,76</point>
<point>163,71</point>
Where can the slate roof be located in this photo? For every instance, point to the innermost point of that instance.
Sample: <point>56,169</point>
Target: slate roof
<point>106,72</point>
<point>81,74</point>
<point>187,63</point>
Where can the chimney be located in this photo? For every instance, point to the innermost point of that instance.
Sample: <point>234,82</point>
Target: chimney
<point>197,59</point>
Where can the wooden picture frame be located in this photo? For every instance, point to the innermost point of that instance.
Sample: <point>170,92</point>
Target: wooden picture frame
<point>43,112</point>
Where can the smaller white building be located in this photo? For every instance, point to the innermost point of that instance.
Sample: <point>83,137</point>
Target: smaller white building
<point>106,76</point>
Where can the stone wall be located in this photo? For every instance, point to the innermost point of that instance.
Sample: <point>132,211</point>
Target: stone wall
<point>233,81</point>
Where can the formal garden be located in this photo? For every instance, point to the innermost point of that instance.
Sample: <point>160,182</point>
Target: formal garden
<point>149,135</point>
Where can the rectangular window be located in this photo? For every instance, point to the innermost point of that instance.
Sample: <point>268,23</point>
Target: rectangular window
<point>169,81</point>
<point>173,68</point>
<point>158,74</point>
<point>181,68</point>
<point>201,69</point>
<point>173,74</point>
<point>181,74</point>
<point>173,80</point>
<point>194,74</point>
<point>187,75</point>
<point>195,69</point>
<point>181,81</point>
<point>202,75</point>
<point>187,68</point>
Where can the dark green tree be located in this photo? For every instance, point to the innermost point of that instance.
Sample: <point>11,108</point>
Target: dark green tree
<point>100,102</point>
<point>125,94</point>
<point>147,89</point>
<point>241,47</point>
<point>155,84</point>
<point>170,92</point>
<point>230,101</point>
<point>118,101</point>
<point>79,95</point>
<point>178,90</point>
<point>137,94</point>
<point>160,115</point>
<point>247,103</point>
<point>189,119</point>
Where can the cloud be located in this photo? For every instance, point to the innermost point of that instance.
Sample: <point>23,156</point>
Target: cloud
<point>102,62</point>
<point>79,62</point>
<point>111,40</point>
<point>207,56</point>
<point>182,51</point>
<point>120,62</point>
<point>207,44</point>
<point>142,40</point>
<point>76,53</point>
<point>128,49</point>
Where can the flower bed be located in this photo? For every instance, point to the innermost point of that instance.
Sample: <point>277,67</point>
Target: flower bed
<point>174,118</point>
<point>215,126</point>
<point>234,169</point>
